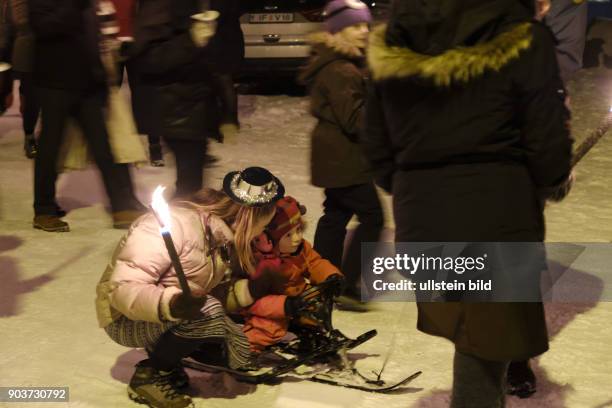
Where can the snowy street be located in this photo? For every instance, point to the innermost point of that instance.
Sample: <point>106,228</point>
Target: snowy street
<point>48,328</point>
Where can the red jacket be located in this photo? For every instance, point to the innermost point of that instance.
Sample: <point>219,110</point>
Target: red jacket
<point>265,320</point>
<point>306,264</point>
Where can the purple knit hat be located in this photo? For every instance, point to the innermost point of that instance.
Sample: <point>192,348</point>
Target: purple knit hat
<point>340,14</point>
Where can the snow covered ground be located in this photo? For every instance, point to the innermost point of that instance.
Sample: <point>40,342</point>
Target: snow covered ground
<point>48,330</point>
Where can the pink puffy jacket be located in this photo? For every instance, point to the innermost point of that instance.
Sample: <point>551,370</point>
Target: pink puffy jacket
<point>140,280</point>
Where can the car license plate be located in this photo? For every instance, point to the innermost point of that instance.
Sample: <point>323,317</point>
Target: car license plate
<point>260,18</point>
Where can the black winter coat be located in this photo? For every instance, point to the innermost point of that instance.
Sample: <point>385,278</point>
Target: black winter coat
<point>464,136</point>
<point>337,99</point>
<point>165,57</point>
<point>66,53</point>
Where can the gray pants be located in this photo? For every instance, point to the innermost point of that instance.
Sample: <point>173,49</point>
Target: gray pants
<point>568,21</point>
<point>214,325</point>
<point>478,383</point>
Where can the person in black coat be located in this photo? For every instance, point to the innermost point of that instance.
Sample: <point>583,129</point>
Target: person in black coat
<point>226,54</point>
<point>169,57</point>
<point>456,131</point>
<point>72,82</point>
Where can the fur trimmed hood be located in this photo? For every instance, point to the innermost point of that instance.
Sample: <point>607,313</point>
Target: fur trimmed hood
<point>326,49</point>
<point>335,43</point>
<point>456,65</point>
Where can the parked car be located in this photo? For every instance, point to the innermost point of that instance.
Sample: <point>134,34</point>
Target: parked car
<point>275,33</point>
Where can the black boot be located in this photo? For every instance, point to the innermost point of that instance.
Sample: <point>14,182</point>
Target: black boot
<point>521,380</point>
<point>155,388</point>
<point>30,147</point>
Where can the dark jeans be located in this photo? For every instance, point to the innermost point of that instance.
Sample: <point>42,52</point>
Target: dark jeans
<point>190,160</point>
<point>87,109</point>
<point>339,207</point>
<point>478,383</point>
<point>30,108</point>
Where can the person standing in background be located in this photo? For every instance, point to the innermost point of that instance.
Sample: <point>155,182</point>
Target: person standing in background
<point>455,116</point>
<point>169,54</point>
<point>226,53</point>
<point>18,45</point>
<point>142,94</point>
<point>335,77</point>
<point>72,83</point>
<point>6,43</point>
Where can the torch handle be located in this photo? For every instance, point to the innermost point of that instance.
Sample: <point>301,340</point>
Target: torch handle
<point>176,263</point>
<point>591,140</point>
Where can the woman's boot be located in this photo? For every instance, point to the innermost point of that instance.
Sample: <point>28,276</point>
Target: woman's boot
<point>156,388</point>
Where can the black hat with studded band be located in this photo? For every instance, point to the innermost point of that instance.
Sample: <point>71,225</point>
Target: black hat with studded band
<point>253,186</point>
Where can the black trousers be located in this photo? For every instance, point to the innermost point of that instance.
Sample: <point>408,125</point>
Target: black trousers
<point>87,109</point>
<point>478,383</point>
<point>190,160</point>
<point>339,207</point>
<point>30,108</point>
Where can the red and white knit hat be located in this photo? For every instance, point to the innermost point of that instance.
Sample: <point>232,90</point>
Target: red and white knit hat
<point>288,216</point>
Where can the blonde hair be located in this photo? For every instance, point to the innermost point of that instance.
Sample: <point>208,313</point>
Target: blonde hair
<point>240,218</point>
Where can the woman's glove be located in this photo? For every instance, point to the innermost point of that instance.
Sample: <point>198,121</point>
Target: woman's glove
<point>269,282</point>
<point>187,307</point>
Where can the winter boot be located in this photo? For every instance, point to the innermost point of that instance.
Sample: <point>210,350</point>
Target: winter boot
<point>521,380</point>
<point>123,219</point>
<point>30,147</point>
<point>155,388</point>
<point>50,223</point>
<point>155,155</point>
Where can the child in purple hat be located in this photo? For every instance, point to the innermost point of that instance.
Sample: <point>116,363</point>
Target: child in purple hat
<point>335,77</point>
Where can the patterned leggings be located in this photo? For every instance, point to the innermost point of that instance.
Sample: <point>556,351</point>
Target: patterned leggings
<point>214,325</point>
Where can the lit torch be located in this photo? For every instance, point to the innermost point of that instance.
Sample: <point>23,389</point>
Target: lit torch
<point>162,213</point>
<point>591,140</point>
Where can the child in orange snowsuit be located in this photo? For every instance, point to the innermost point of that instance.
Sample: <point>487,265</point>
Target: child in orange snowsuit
<point>283,249</point>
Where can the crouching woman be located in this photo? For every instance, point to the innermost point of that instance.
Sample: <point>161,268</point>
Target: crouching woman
<point>139,301</point>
